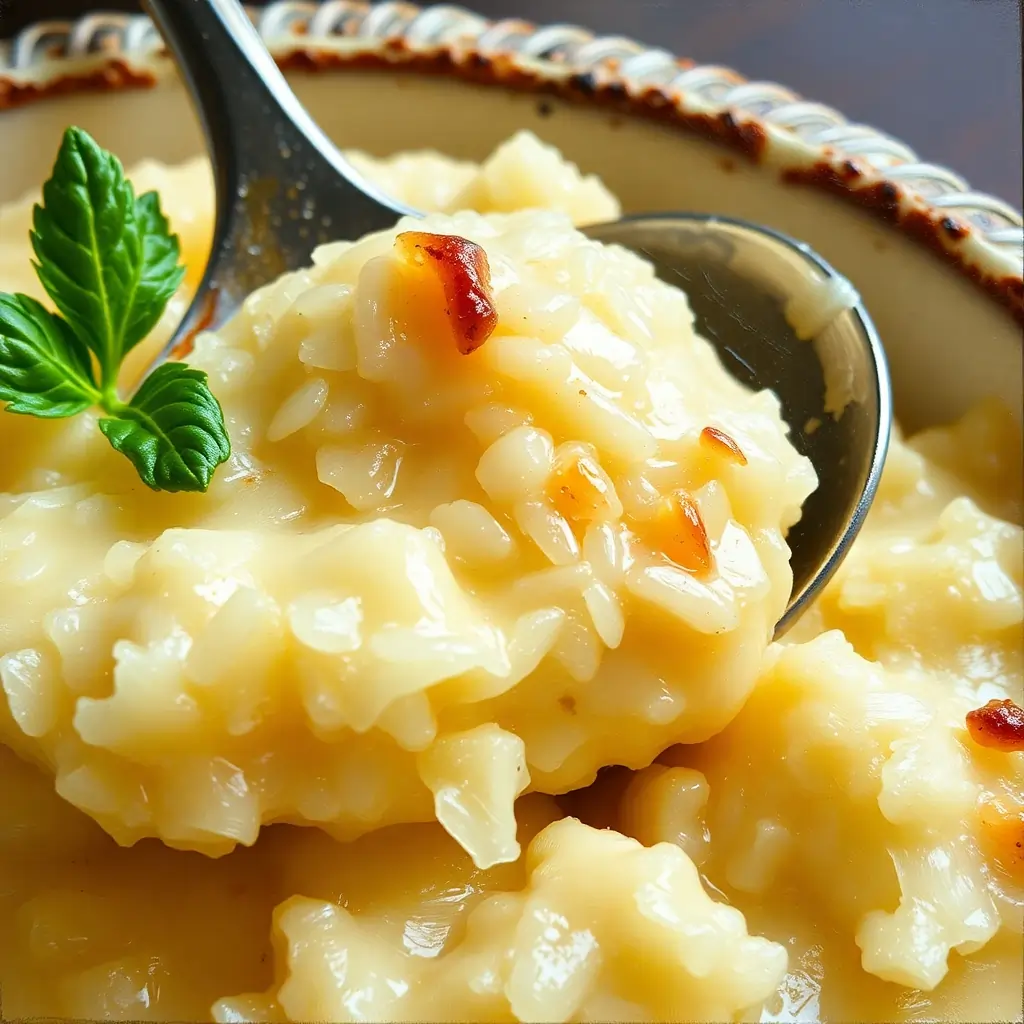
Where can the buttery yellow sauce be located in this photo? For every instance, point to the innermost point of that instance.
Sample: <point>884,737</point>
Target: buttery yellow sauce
<point>426,585</point>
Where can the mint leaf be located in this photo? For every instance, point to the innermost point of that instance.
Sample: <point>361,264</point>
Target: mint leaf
<point>44,368</point>
<point>159,272</point>
<point>108,260</point>
<point>110,264</point>
<point>172,430</point>
<point>88,246</point>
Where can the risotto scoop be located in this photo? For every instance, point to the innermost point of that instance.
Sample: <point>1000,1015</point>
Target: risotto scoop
<point>495,517</point>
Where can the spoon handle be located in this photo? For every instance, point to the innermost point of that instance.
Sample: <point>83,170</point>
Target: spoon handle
<point>282,187</point>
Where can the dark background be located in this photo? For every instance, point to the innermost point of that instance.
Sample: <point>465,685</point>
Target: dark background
<point>943,75</point>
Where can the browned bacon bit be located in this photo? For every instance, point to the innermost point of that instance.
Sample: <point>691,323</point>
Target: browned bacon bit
<point>678,530</point>
<point>999,725</point>
<point>722,444</point>
<point>461,267</point>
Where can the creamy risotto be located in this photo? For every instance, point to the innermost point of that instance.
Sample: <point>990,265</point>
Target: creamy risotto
<point>496,520</point>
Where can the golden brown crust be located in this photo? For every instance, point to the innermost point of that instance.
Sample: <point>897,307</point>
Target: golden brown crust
<point>115,74</point>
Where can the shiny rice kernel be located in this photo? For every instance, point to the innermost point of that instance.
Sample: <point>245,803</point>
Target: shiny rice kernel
<point>1001,834</point>
<point>677,531</point>
<point>580,489</point>
<point>722,444</point>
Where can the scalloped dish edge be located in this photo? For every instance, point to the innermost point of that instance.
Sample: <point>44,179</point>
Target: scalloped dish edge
<point>134,58</point>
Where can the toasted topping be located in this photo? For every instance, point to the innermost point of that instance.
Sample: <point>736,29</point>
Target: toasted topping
<point>999,725</point>
<point>678,530</point>
<point>721,443</point>
<point>462,269</point>
<point>580,489</point>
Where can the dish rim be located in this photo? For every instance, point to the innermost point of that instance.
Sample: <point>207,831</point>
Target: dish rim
<point>808,143</point>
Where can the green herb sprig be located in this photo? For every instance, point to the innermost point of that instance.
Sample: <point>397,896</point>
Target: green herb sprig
<point>109,263</point>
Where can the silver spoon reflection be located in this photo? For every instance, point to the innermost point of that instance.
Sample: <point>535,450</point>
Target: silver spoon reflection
<point>283,188</point>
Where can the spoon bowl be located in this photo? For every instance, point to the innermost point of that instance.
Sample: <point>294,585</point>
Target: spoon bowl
<point>780,317</point>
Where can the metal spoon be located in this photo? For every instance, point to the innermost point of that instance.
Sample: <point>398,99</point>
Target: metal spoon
<point>283,188</point>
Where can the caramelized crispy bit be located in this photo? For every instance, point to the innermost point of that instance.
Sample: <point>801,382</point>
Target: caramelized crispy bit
<point>461,267</point>
<point>999,725</point>
<point>580,489</point>
<point>722,444</point>
<point>678,530</point>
